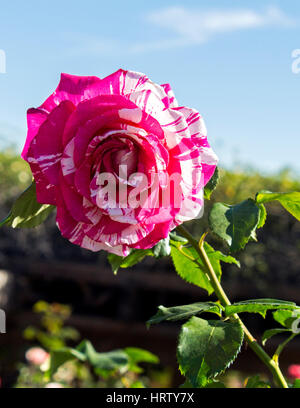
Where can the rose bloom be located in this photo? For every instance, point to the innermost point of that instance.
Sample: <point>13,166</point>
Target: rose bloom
<point>91,126</point>
<point>36,356</point>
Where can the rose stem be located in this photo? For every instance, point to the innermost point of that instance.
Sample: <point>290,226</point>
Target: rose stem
<point>219,291</point>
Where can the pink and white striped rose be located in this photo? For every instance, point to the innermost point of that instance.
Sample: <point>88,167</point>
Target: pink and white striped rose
<point>91,126</point>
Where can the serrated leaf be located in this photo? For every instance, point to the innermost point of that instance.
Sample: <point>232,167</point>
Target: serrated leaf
<point>270,333</point>
<point>260,306</point>
<point>27,212</point>
<point>162,248</point>
<point>256,382</point>
<point>212,184</point>
<point>137,356</point>
<point>184,312</point>
<point>136,256</point>
<point>290,201</point>
<point>207,347</point>
<point>192,269</point>
<point>235,224</point>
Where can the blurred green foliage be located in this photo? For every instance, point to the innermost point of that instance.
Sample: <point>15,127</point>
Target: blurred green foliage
<point>50,362</point>
<point>52,333</point>
<point>15,175</point>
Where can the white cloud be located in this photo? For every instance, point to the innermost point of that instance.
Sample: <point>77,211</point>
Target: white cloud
<point>186,27</point>
<point>194,26</point>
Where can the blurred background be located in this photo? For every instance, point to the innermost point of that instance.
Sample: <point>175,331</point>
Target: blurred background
<point>235,62</point>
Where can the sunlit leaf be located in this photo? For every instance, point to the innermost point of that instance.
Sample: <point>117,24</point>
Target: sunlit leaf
<point>260,306</point>
<point>27,212</point>
<point>190,267</point>
<point>288,318</point>
<point>272,332</point>
<point>290,201</point>
<point>262,216</point>
<point>135,256</point>
<point>184,312</point>
<point>235,224</point>
<point>207,347</point>
<point>211,185</point>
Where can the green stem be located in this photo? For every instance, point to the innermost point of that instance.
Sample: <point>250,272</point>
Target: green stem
<point>281,347</point>
<point>219,291</point>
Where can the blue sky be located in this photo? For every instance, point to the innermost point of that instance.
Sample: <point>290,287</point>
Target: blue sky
<point>231,60</point>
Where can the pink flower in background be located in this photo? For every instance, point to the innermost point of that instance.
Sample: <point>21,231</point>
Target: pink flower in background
<point>294,371</point>
<point>54,385</point>
<point>36,356</point>
<point>125,126</point>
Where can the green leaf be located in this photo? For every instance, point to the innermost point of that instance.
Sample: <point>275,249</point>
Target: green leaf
<point>260,306</point>
<point>256,382</point>
<point>137,384</point>
<point>175,237</point>
<point>162,248</point>
<point>215,384</point>
<point>207,347</point>
<point>296,383</point>
<point>138,355</point>
<point>192,269</point>
<point>270,333</point>
<point>61,356</point>
<point>211,185</point>
<point>108,361</point>
<point>290,201</point>
<point>186,384</point>
<point>26,212</point>
<point>219,256</point>
<point>6,220</point>
<point>184,312</point>
<point>135,256</point>
<point>115,262</point>
<point>262,216</point>
<point>235,224</point>
<point>287,317</point>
